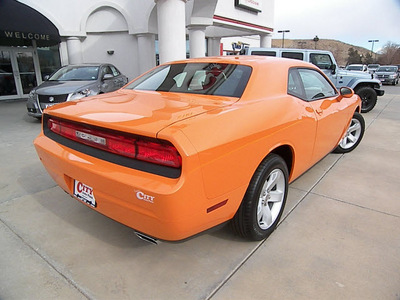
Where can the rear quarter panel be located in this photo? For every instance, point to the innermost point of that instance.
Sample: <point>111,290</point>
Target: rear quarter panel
<point>232,142</point>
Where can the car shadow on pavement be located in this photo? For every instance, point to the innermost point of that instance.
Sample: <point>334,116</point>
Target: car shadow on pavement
<point>78,221</point>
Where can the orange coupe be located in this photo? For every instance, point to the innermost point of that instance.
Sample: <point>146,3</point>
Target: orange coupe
<point>194,143</point>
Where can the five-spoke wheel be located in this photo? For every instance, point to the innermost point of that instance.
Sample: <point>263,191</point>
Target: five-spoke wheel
<point>353,135</point>
<point>264,201</point>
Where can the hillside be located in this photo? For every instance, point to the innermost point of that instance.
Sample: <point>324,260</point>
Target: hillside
<point>339,49</point>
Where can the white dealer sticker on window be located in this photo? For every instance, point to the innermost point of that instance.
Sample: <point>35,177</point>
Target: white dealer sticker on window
<point>84,193</point>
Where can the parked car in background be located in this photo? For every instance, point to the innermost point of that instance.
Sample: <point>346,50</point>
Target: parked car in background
<point>388,74</point>
<point>372,68</point>
<point>74,82</point>
<point>357,67</point>
<point>195,143</point>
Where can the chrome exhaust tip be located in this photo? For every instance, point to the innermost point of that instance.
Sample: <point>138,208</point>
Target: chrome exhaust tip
<point>147,238</point>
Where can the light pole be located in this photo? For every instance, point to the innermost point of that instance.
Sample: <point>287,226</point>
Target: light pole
<point>372,48</point>
<point>283,36</point>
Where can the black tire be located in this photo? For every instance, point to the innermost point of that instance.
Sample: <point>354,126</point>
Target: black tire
<point>267,191</point>
<point>368,98</point>
<point>354,135</point>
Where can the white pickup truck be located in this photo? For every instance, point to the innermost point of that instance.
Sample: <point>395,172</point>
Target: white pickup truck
<point>365,85</point>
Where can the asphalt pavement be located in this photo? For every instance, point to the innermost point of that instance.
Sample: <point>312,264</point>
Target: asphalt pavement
<point>339,237</point>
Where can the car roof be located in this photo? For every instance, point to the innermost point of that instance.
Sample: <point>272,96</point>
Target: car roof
<point>273,70</point>
<point>250,60</point>
<point>87,65</point>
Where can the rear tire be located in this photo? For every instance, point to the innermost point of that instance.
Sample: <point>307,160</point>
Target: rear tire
<point>368,98</point>
<point>353,136</point>
<point>264,201</point>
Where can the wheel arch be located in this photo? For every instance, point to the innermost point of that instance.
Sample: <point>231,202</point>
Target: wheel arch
<point>287,153</point>
<point>362,84</point>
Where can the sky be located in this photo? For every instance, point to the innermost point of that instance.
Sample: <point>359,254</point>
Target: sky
<point>351,21</point>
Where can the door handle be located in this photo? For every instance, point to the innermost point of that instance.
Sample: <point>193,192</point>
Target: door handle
<point>319,111</point>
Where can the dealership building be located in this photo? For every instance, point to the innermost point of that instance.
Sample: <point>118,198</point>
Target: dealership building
<point>37,37</point>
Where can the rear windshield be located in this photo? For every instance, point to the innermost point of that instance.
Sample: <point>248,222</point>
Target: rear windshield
<point>196,78</point>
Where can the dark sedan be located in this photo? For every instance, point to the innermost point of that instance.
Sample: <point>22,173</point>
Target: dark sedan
<point>74,82</point>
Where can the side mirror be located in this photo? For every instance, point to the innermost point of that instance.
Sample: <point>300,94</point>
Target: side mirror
<point>333,69</point>
<point>46,77</point>
<point>107,76</point>
<point>345,92</point>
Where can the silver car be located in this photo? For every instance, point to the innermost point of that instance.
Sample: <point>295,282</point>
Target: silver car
<point>388,74</point>
<point>74,82</point>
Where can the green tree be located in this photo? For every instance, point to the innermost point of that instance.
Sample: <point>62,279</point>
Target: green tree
<point>354,57</point>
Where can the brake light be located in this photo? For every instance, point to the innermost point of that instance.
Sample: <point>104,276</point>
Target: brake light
<point>162,154</point>
<point>149,150</point>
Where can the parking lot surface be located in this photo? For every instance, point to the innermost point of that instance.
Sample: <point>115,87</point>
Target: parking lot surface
<point>339,237</point>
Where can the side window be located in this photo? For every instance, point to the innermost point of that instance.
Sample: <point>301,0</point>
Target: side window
<point>106,70</point>
<point>264,53</point>
<point>322,61</point>
<point>295,86</point>
<point>115,71</point>
<point>294,55</point>
<point>316,86</point>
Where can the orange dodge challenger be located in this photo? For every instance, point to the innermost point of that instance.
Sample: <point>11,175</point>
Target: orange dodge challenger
<point>194,143</point>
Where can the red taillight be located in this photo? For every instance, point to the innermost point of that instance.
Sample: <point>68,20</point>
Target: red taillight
<point>161,153</point>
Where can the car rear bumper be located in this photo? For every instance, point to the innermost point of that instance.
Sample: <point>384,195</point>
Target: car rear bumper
<point>163,208</point>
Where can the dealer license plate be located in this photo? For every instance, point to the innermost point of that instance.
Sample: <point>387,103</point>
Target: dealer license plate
<point>84,193</point>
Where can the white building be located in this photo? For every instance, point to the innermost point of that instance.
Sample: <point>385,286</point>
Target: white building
<point>131,34</point>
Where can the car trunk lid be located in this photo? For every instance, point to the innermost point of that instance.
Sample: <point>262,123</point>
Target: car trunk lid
<point>139,112</point>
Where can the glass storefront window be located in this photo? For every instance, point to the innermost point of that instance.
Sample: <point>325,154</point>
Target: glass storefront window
<point>7,81</point>
<point>49,60</point>
<point>26,71</point>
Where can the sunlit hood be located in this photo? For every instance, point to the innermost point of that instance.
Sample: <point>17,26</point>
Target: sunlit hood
<point>358,74</point>
<point>141,112</point>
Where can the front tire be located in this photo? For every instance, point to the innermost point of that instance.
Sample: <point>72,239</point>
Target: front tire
<point>353,136</point>
<point>264,201</point>
<point>368,98</point>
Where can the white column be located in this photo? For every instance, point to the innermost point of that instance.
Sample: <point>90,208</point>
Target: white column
<point>197,42</point>
<point>146,52</point>
<point>74,49</point>
<point>265,40</point>
<point>171,29</point>
<point>214,46</point>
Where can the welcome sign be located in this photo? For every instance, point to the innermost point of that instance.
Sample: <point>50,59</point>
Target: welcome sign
<point>26,35</point>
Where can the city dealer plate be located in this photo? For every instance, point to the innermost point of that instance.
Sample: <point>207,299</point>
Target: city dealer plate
<point>84,193</point>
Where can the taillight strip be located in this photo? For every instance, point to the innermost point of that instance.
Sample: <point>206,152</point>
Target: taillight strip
<point>140,148</point>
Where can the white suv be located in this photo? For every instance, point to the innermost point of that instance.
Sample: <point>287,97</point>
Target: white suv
<point>364,84</point>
